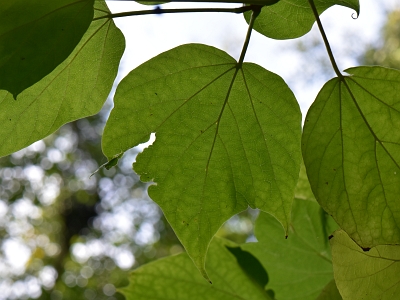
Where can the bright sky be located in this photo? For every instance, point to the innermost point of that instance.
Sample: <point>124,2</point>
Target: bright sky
<point>150,35</point>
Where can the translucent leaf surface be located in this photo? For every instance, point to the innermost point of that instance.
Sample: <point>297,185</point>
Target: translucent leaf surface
<point>75,89</point>
<point>290,19</point>
<point>300,266</point>
<point>226,138</point>
<point>359,275</point>
<point>176,278</point>
<point>351,149</point>
<point>330,292</point>
<point>35,38</point>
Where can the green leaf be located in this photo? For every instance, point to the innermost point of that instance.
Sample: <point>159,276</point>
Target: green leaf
<point>226,139</point>
<point>303,189</point>
<point>300,266</point>
<point>351,149</point>
<point>176,278</point>
<point>330,292</point>
<point>359,275</point>
<point>290,19</point>
<point>77,88</point>
<point>36,37</point>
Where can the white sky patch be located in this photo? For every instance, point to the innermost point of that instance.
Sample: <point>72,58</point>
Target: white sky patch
<point>17,254</point>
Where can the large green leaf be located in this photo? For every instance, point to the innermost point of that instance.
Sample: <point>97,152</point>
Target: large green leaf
<point>226,138</point>
<point>290,19</point>
<point>176,278</point>
<point>300,266</point>
<point>77,88</point>
<point>351,149</point>
<point>362,275</point>
<point>35,37</point>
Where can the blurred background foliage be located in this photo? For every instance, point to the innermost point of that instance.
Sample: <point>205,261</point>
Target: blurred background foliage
<point>68,235</point>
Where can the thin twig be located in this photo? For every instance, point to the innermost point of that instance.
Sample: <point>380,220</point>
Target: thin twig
<point>158,11</point>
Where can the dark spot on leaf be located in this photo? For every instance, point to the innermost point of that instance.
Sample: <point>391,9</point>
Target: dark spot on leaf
<point>286,236</point>
<point>331,236</point>
<point>22,58</point>
<point>156,94</point>
<point>366,249</point>
<point>10,119</point>
<point>334,170</point>
<point>326,182</point>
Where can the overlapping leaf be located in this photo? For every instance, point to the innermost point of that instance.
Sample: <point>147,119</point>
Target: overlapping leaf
<point>226,138</point>
<point>75,89</point>
<point>330,292</point>
<point>300,266</point>
<point>290,19</point>
<point>36,37</point>
<point>351,149</point>
<point>359,275</point>
<point>176,278</point>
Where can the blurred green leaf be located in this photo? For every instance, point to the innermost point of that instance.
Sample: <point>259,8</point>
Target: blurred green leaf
<point>372,274</point>
<point>36,37</point>
<point>77,88</point>
<point>226,139</point>
<point>351,149</point>
<point>290,19</point>
<point>300,266</point>
<point>176,277</point>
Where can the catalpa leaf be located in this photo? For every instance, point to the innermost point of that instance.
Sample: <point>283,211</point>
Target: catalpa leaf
<point>351,149</point>
<point>176,278</point>
<point>77,88</point>
<point>36,37</point>
<point>300,266</point>
<point>290,19</point>
<point>359,274</point>
<point>226,138</point>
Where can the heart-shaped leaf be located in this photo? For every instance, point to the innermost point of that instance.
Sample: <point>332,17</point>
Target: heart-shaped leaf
<point>359,274</point>
<point>175,277</point>
<point>35,37</point>
<point>77,88</point>
<point>300,266</point>
<point>351,149</point>
<point>290,19</point>
<point>226,139</point>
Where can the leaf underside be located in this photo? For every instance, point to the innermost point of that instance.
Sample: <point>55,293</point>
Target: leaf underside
<point>35,39</point>
<point>226,139</point>
<point>300,266</point>
<point>290,19</point>
<point>330,292</point>
<point>176,277</point>
<point>77,88</point>
<point>359,275</point>
<point>351,149</point>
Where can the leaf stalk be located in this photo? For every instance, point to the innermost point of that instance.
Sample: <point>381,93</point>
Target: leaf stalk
<point>326,42</point>
<point>256,11</point>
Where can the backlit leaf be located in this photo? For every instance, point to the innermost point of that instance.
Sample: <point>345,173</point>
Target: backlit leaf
<point>359,275</point>
<point>300,266</point>
<point>35,37</point>
<point>351,149</point>
<point>77,88</point>
<point>226,139</point>
<point>176,278</point>
<point>290,19</point>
